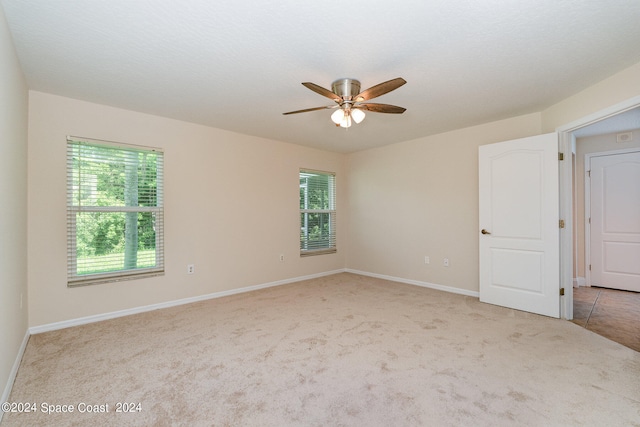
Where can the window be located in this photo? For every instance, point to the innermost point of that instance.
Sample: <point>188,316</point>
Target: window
<point>114,212</point>
<point>317,212</point>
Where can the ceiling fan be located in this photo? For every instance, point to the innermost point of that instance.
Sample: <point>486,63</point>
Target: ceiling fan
<point>350,101</point>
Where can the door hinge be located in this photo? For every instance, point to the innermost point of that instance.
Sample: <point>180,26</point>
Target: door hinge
<point>589,174</point>
<point>561,224</point>
<point>589,267</point>
<point>561,291</point>
<point>560,156</point>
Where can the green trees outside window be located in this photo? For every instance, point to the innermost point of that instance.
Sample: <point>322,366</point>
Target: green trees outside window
<point>317,212</point>
<point>114,210</point>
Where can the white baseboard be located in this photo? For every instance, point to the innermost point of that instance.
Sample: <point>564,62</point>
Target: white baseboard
<point>136,310</point>
<point>417,283</point>
<point>14,371</point>
<point>579,282</point>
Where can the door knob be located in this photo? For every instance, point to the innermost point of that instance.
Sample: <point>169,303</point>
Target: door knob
<point>485,231</point>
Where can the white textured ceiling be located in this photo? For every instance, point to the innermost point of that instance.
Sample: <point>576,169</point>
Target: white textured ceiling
<point>238,64</point>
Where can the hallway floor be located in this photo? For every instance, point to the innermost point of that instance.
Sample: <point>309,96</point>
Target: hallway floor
<point>611,313</point>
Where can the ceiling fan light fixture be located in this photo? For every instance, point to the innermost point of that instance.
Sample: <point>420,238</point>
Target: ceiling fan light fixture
<point>346,121</point>
<point>337,116</point>
<point>357,115</point>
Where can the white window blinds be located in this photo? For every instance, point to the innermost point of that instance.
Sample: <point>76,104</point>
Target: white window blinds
<point>317,212</point>
<point>115,212</point>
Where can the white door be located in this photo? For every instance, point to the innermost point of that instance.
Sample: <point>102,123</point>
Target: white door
<point>519,231</point>
<point>615,221</point>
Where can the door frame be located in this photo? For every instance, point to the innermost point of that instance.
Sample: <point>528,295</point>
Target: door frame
<point>587,204</point>
<point>566,143</point>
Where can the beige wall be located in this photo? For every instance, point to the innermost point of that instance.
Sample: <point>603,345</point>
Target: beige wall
<point>586,145</point>
<point>616,89</point>
<point>13,207</point>
<point>420,198</point>
<point>231,208</point>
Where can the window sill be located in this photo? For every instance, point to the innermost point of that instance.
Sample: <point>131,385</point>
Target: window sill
<point>318,252</point>
<point>97,279</point>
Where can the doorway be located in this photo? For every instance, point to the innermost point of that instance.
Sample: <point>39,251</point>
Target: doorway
<point>610,121</point>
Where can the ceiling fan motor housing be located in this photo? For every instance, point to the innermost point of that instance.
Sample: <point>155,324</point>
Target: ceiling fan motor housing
<point>347,89</point>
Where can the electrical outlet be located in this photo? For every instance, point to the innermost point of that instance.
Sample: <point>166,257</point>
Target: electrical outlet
<point>427,260</point>
<point>281,257</point>
<point>446,262</point>
<point>191,269</point>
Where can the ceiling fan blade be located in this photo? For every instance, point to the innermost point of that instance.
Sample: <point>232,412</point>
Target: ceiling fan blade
<point>381,108</point>
<point>322,91</point>
<point>306,110</point>
<point>380,89</point>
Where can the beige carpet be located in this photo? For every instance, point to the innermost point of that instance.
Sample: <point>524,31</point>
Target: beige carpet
<point>343,350</point>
